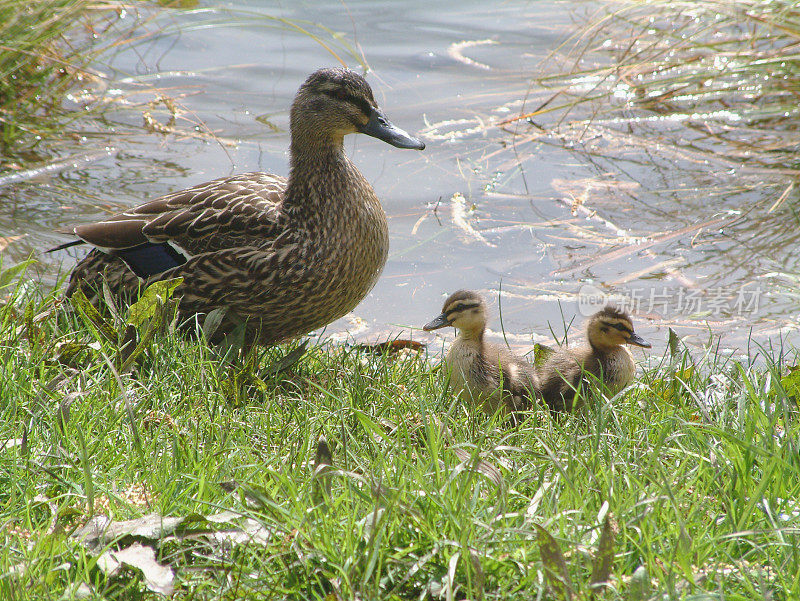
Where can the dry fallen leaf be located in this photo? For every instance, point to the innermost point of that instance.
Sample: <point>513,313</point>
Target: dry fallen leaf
<point>391,347</point>
<point>101,531</point>
<point>158,578</point>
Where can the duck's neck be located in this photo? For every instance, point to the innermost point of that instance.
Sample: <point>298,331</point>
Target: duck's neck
<point>310,146</point>
<point>601,351</point>
<point>473,336</point>
<point>316,163</point>
<point>608,355</point>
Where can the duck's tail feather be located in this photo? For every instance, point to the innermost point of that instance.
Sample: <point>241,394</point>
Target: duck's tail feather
<point>65,245</point>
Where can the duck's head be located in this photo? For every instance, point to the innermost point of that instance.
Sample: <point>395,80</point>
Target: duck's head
<point>612,327</point>
<point>465,310</point>
<point>335,102</point>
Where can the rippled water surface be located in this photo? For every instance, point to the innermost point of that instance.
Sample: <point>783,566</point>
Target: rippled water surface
<point>541,218</point>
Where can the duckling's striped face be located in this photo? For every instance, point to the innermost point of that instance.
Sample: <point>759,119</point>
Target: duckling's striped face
<point>340,102</point>
<point>465,310</point>
<point>611,327</point>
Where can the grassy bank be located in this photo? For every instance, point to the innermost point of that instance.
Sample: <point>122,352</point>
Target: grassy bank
<point>685,485</point>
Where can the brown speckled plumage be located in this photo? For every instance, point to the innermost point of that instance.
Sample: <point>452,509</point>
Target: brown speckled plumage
<point>289,256</point>
<point>483,374</point>
<point>604,358</point>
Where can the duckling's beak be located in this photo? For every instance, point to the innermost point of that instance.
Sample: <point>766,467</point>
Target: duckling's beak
<point>440,322</point>
<point>380,127</point>
<point>637,340</point>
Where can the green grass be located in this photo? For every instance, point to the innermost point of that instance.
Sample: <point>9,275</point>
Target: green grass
<point>697,465</point>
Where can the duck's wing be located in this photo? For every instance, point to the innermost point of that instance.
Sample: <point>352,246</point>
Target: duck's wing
<point>217,209</point>
<point>161,234</point>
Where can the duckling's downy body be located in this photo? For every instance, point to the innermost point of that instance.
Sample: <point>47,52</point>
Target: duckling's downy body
<point>604,357</point>
<point>483,374</point>
<point>288,256</point>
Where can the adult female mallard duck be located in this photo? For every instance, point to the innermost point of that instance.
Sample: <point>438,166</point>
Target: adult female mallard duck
<point>287,256</point>
<point>484,374</point>
<point>605,357</point>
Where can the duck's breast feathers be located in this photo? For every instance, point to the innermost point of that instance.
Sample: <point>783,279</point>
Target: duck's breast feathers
<point>210,216</point>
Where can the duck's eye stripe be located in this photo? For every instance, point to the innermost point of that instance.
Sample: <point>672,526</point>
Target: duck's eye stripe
<point>344,96</point>
<point>462,308</point>
<point>618,326</point>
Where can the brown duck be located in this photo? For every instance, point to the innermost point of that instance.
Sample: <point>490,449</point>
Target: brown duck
<point>483,374</point>
<point>286,255</point>
<point>605,357</point>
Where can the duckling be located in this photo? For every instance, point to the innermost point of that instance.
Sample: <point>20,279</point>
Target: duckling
<point>604,356</point>
<point>482,373</point>
<point>287,256</point>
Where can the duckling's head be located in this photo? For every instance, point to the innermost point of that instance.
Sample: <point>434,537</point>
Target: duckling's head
<point>612,327</point>
<point>335,102</point>
<point>465,310</point>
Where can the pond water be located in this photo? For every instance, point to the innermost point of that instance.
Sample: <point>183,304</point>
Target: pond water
<point>479,208</point>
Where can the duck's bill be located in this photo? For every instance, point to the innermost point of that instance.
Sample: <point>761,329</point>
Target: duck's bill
<point>437,323</point>
<point>637,340</point>
<point>380,127</point>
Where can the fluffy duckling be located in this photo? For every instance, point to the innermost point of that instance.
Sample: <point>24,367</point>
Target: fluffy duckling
<point>483,374</point>
<point>604,356</point>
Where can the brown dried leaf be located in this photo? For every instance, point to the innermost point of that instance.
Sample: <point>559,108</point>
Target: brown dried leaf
<point>391,347</point>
